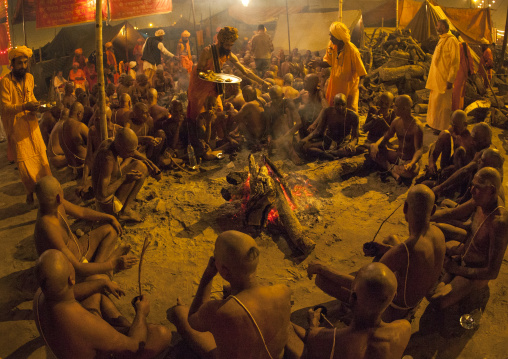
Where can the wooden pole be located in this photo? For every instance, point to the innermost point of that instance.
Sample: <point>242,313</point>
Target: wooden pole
<point>103,125</point>
<point>194,19</point>
<point>505,40</point>
<point>23,16</point>
<point>210,20</point>
<point>289,36</point>
<point>340,10</point>
<point>396,14</point>
<point>126,46</point>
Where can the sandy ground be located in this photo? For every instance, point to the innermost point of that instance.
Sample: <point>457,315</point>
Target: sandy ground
<point>185,213</point>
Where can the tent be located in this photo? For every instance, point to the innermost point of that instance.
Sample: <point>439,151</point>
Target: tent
<point>57,55</point>
<point>472,24</point>
<point>309,31</point>
<point>385,13</point>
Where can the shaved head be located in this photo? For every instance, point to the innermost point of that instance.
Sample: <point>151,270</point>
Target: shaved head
<point>126,141</point>
<point>491,157</point>
<point>386,100</point>
<point>236,251</point>
<point>375,286</point>
<point>458,121</point>
<point>340,98</point>
<point>249,93</point>
<point>288,78</point>
<point>489,176</point>
<point>47,189</point>
<point>482,135</point>
<point>276,93</point>
<point>54,273</point>
<point>419,203</point>
<point>77,110</point>
<point>125,99</point>
<point>311,82</point>
<point>404,101</point>
<point>152,94</point>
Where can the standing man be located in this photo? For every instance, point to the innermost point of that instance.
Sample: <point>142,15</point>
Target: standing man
<point>261,48</point>
<point>213,58</point>
<point>112,64</point>
<point>486,63</point>
<point>152,51</point>
<point>346,66</point>
<point>17,109</point>
<point>466,68</point>
<point>138,53</point>
<point>183,51</point>
<point>443,71</point>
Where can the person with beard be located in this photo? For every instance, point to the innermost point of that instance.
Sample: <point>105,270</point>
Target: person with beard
<point>183,51</point>
<point>346,66</point>
<point>213,58</point>
<point>17,108</point>
<point>443,71</point>
<point>152,52</point>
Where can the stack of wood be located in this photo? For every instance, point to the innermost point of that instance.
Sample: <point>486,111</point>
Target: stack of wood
<point>267,189</point>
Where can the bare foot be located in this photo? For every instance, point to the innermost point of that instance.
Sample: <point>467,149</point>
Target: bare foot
<point>128,215</point>
<point>179,301</point>
<point>121,250</point>
<point>441,290</point>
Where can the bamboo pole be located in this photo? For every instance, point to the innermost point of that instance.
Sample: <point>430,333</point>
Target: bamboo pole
<point>289,36</point>
<point>103,125</point>
<point>505,40</point>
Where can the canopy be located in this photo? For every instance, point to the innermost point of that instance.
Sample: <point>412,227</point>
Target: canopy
<point>310,31</point>
<point>385,13</point>
<point>472,24</point>
<point>255,15</point>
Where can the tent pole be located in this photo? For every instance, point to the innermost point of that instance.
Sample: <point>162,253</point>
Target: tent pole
<point>505,40</point>
<point>126,46</point>
<point>210,20</point>
<point>396,14</point>
<point>103,125</point>
<point>194,19</point>
<point>23,16</point>
<point>289,36</point>
<point>340,9</point>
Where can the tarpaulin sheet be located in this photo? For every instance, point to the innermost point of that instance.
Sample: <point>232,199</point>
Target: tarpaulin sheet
<point>385,13</point>
<point>52,13</point>
<point>473,24</point>
<point>125,9</point>
<point>310,31</point>
<point>255,15</point>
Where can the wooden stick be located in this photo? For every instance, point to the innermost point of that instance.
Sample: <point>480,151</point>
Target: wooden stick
<point>375,235</point>
<point>143,250</point>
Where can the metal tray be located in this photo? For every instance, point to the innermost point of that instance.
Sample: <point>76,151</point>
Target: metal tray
<point>223,79</point>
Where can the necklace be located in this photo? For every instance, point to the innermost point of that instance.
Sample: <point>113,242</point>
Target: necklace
<point>20,90</point>
<point>478,229</point>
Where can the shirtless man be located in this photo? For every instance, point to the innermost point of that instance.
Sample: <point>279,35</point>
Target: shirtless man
<point>123,114</point>
<point>283,123</point>
<point>126,86</point>
<point>162,82</point>
<point>74,330</point>
<point>379,118</point>
<point>287,87</point>
<point>48,121</point>
<point>252,322</point>
<point>52,231</point>
<point>171,126</point>
<point>234,95</point>
<point>482,139</point>
<point>425,249</point>
<point>151,142</point>
<point>313,102</point>
<point>141,87</point>
<point>73,138</point>
<point>68,98</point>
<point>56,155</point>
<point>158,113</point>
<point>117,175</point>
<point>476,259</point>
<point>404,161</point>
<point>336,134</point>
<point>251,122</point>
<point>372,291</point>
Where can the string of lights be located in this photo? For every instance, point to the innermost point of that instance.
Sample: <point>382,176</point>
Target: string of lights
<point>3,52</point>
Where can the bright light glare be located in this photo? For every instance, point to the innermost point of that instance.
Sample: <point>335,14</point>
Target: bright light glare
<point>150,24</point>
<point>245,2</point>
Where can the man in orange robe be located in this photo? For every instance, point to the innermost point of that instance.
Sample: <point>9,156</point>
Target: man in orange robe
<point>183,51</point>
<point>466,68</point>
<point>77,76</point>
<point>17,108</point>
<point>346,66</point>
<point>486,63</point>
<point>110,55</point>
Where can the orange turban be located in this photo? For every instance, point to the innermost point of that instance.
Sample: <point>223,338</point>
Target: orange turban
<point>185,34</point>
<point>340,31</point>
<point>19,51</point>
<point>108,44</point>
<point>78,51</point>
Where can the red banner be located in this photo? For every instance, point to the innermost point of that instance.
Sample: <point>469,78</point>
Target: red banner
<point>124,9</point>
<point>51,13</point>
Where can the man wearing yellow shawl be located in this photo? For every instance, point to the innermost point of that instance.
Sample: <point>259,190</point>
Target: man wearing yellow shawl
<point>183,51</point>
<point>17,108</point>
<point>346,66</point>
<point>443,71</point>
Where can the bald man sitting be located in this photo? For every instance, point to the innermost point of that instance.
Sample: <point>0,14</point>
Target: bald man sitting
<point>417,262</point>
<point>372,291</point>
<point>158,113</point>
<point>251,122</point>
<point>56,155</point>
<point>73,138</point>
<point>476,248</point>
<point>252,323</point>
<point>118,173</point>
<point>75,330</point>
<point>123,114</point>
<point>379,118</point>
<point>404,161</point>
<point>52,231</point>
<point>287,87</point>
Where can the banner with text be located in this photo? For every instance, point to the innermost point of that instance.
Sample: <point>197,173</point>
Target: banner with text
<point>126,9</point>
